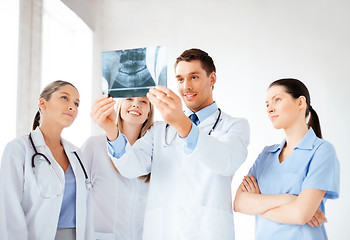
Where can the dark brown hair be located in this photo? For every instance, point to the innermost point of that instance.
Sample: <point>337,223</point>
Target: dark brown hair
<point>197,54</point>
<point>296,88</point>
<point>46,94</point>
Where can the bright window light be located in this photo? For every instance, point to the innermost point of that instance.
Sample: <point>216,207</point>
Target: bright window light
<point>9,22</point>
<point>67,55</point>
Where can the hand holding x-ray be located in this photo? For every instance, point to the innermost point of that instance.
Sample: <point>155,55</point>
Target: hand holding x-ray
<point>170,106</point>
<point>103,114</point>
<point>132,72</point>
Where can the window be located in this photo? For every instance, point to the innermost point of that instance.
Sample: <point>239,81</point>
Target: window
<point>67,55</point>
<point>9,18</point>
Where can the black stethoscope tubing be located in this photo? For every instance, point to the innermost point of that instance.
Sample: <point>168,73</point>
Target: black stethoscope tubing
<point>43,155</point>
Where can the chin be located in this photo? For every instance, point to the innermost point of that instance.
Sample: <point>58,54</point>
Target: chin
<point>192,105</point>
<point>276,126</point>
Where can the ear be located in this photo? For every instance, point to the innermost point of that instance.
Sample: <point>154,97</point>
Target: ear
<point>212,78</point>
<point>42,103</point>
<point>302,102</point>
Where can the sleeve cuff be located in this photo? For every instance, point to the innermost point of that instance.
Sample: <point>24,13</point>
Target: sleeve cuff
<point>117,147</point>
<point>191,140</point>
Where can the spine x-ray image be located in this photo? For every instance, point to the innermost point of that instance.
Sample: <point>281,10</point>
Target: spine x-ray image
<point>132,72</point>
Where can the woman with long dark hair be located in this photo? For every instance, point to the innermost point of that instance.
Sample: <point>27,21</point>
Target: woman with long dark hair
<point>289,183</point>
<point>44,189</point>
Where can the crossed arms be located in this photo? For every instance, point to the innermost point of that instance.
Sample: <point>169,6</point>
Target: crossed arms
<point>283,208</point>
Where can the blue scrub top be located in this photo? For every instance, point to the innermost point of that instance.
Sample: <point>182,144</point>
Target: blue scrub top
<point>67,217</point>
<point>313,164</point>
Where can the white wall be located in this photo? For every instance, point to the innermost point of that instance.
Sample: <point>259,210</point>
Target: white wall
<point>252,44</point>
<point>9,18</point>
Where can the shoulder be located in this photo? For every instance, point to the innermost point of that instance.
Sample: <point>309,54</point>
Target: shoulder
<point>15,149</point>
<point>233,120</point>
<point>96,141</point>
<point>269,149</point>
<point>17,143</point>
<point>323,144</point>
<point>266,151</point>
<point>324,148</point>
<point>235,124</point>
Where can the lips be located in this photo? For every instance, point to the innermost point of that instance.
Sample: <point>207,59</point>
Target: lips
<point>134,112</point>
<point>68,114</point>
<point>273,117</point>
<point>189,96</point>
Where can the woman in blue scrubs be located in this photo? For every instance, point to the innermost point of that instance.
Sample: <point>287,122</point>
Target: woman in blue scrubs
<point>289,183</point>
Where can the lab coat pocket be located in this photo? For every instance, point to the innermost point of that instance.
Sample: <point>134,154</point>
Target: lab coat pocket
<point>153,226</point>
<point>216,224</point>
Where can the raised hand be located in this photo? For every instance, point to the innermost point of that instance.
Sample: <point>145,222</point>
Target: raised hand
<point>104,115</point>
<point>170,107</point>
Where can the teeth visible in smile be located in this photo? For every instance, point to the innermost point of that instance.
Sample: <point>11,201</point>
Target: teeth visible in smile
<point>134,113</point>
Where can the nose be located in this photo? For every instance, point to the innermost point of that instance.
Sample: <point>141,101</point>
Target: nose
<point>71,107</point>
<point>187,84</point>
<point>270,109</point>
<point>135,104</point>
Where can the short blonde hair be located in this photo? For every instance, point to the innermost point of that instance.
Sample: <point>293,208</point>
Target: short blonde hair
<point>145,126</point>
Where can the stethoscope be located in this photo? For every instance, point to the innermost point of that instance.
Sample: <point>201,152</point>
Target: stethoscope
<point>211,130</point>
<point>87,180</point>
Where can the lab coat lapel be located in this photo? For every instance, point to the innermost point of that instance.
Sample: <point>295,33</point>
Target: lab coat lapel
<point>40,145</point>
<point>209,122</point>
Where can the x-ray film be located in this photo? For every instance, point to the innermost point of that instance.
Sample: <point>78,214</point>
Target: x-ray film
<point>132,72</point>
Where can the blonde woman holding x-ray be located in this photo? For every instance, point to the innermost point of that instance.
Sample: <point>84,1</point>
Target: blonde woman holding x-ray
<point>44,188</point>
<point>119,203</point>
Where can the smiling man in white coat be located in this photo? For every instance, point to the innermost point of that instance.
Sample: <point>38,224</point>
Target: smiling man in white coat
<point>191,162</point>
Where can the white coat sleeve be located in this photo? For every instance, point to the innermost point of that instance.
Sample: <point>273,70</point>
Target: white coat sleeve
<point>137,159</point>
<point>224,153</point>
<point>12,219</point>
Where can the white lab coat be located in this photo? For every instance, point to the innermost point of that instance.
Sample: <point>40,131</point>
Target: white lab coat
<point>119,203</point>
<point>24,213</point>
<point>189,195</point>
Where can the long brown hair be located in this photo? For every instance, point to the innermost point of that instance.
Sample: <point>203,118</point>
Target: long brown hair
<point>46,94</point>
<point>145,126</point>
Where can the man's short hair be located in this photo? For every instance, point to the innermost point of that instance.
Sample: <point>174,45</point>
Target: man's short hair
<point>197,54</point>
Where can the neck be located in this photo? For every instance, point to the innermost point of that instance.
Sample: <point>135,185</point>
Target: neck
<point>52,135</point>
<point>131,131</point>
<point>210,102</point>
<point>295,134</point>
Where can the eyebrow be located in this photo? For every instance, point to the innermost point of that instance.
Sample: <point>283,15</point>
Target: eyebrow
<point>69,95</point>
<point>191,73</point>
